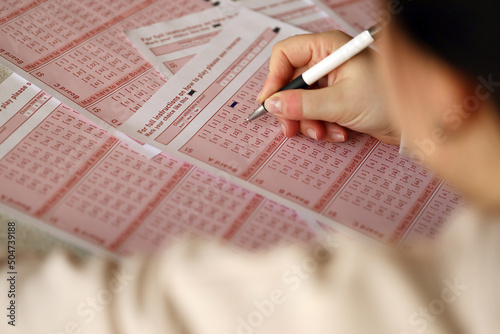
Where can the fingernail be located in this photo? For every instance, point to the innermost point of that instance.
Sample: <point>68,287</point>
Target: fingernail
<point>338,136</point>
<point>283,128</point>
<point>258,99</point>
<point>273,105</point>
<point>311,133</point>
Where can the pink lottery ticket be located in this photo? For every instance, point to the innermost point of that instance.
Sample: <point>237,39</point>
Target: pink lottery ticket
<point>433,217</point>
<point>76,51</point>
<point>63,172</point>
<point>199,116</point>
<point>171,44</point>
<point>361,14</point>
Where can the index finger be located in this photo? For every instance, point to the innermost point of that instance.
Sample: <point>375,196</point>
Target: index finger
<point>295,54</point>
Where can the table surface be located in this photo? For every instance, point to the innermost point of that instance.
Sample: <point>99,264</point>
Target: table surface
<point>4,73</point>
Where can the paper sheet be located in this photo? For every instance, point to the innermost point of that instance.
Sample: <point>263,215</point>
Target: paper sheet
<point>361,14</point>
<point>58,167</point>
<point>64,172</point>
<point>76,51</point>
<point>199,115</point>
<point>171,44</point>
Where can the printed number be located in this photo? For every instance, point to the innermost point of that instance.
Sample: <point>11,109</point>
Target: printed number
<point>116,122</point>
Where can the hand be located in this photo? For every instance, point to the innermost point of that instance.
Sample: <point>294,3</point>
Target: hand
<point>348,97</point>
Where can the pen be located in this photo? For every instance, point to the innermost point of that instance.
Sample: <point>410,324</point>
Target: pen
<point>334,60</point>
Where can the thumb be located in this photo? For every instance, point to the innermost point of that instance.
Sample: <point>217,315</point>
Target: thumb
<point>325,104</point>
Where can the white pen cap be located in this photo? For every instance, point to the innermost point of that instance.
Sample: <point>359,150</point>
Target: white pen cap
<point>338,57</point>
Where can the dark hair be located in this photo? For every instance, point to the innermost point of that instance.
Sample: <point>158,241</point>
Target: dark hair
<point>464,33</point>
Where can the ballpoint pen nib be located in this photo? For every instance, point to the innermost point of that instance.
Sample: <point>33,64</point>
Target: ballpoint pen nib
<point>257,113</point>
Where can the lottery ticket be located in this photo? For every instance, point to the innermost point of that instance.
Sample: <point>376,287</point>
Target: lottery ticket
<point>360,14</point>
<point>64,173</point>
<point>76,51</point>
<point>171,44</point>
<point>199,116</point>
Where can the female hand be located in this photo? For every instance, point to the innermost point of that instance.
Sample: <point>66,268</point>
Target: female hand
<point>349,97</point>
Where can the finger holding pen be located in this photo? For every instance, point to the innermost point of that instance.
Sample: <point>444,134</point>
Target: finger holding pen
<point>289,59</point>
<point>348,96</point>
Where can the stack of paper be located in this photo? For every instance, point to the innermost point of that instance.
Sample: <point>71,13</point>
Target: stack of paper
<point>66,163</point>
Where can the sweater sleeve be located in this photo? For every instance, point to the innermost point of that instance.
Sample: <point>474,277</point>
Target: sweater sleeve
<point>200,287</point>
